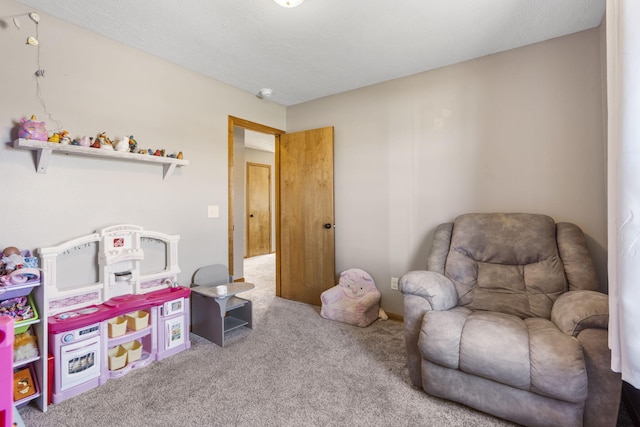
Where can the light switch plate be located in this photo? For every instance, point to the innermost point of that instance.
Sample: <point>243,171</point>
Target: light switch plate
<point>213,211</point>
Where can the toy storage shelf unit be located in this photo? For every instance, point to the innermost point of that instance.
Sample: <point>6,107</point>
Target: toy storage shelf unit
<point>31,361</point>
<point>44,149</point>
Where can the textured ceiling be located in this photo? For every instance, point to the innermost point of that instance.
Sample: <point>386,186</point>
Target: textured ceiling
<point>323,47</point>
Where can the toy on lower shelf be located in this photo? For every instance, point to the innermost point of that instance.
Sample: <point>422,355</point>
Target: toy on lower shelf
<point>23,384</point>
<point>25,346</point>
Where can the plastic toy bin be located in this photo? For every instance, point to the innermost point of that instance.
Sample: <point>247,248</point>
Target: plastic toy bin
<point>116,326</point>
<point>137,320</point>
<point>134,350</point>
<point>117,357</point>
<point>13,291</point>
<point>12,287</point>
<point>23,311</point>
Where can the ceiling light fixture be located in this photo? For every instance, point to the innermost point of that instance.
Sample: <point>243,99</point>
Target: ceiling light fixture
<point>289,3</point>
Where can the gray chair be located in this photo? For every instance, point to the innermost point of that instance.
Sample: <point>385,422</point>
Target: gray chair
<point>507,320</point>
<point>212,275</point>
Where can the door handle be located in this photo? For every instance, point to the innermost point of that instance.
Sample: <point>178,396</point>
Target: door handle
<point>327,226</point>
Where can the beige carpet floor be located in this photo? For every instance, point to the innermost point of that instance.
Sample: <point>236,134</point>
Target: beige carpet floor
<point>293,368</point>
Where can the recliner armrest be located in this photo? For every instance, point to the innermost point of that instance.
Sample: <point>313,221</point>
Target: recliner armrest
<point>577,310</point>
<point>423,291</point>
<point>435,288</point>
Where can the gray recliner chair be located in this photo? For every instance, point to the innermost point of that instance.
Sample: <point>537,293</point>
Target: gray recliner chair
<point>507,320</point>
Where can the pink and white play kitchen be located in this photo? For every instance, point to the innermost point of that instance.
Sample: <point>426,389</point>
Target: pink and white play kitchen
<point>133,314</point>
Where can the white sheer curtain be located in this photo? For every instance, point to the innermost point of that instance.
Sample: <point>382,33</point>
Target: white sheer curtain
<point>623,186</point>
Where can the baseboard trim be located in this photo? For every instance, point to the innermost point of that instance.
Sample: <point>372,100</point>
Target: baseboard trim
<point>394,316</point>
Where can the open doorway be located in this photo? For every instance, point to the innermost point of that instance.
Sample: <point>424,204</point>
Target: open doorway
<point>261,271</point>
<point>252,201</point>
<point>304,209</point>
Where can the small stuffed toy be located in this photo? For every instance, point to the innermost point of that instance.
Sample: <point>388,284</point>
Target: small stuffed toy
<point>354,300</point>
<point>32,129</point>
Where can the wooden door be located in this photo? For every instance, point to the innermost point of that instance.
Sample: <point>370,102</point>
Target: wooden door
<point>258,210</point>
<point>305,265</point>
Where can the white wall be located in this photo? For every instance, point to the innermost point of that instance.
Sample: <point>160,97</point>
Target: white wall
<point>515,131</point>
<point>91,85</point>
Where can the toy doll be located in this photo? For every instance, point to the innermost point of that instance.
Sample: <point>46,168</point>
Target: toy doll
<point>11,259</point>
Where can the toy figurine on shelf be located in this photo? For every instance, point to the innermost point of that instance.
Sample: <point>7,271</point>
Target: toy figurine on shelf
<point>179,156</point>
<point>105,142</point>
<point>65,139</point>
<point>60,137</point>
<point>133,144</point>
<point>159,153</point>
<point>32,129</point>
<point>122,144</point>
<point>85,141</point>
<point>54,138</point>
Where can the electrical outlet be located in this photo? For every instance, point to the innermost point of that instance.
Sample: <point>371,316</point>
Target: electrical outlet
<point>394,283</point>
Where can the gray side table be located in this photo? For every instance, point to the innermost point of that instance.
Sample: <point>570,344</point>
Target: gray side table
<point>212,314</point>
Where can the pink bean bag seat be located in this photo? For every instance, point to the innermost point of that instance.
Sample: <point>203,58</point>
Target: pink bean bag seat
<point>354,300</point>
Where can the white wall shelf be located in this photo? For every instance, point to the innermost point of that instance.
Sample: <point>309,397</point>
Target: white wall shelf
<point>44,150</point>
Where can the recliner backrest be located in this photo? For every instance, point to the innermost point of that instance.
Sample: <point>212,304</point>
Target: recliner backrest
<point>506,262</point>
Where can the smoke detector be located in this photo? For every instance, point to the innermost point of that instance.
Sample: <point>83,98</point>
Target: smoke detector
<point>265,93</point>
